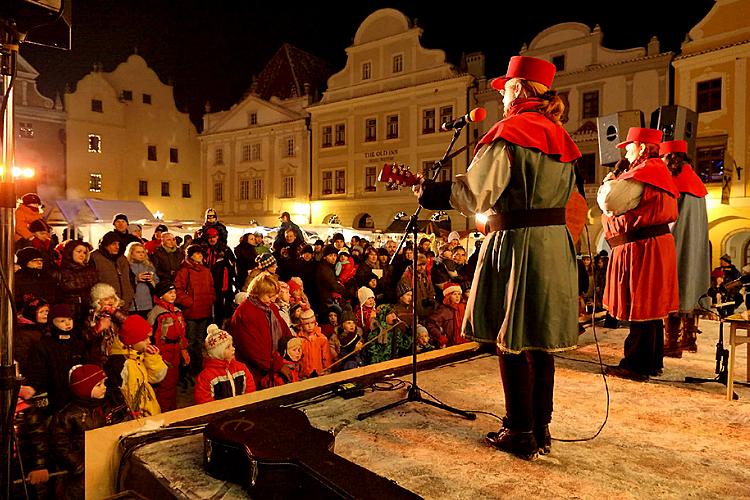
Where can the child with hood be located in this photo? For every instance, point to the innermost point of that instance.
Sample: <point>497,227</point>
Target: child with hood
<point>365,313</point>
<point>349,340</point>
<point>444,325</point>
<point>291,350</point>
<point>105,316</point>
<point>388,324</point>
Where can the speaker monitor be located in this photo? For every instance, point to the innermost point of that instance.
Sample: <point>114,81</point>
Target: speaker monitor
<point>678,123</point>
<point>612,130</point>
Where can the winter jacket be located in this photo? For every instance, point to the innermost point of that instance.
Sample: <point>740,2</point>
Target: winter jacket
<point>316,353</point>
<point>168,325</point>
<point>75,286</point>
<point>24,216</point>
<point>26,334</point>
<point>221,261</point>
<point>222,379</point>
<point>167,263</point>
<point>252,334</point>
<point>195,290</point>
<point>328,284</point>
<point>441,327</point>
<point>115,271</point>
<point>37,282</point>
<point>131,374</point>
<point>142,299</point>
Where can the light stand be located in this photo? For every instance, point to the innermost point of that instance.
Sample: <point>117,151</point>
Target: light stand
<point>722,354</point>
<point>415,394</point>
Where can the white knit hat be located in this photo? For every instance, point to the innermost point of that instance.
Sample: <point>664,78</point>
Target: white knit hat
<point>101,291</point>
<point>453,236</point>
<point>364,293</point>
<point>217,341</point>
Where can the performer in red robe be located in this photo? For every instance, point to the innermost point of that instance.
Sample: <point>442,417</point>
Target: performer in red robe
<point>638,206</point>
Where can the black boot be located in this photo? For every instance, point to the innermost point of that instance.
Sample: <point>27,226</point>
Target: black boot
<point>689,334</point>
<point>519,443</point>
<point>543,439</point>
<point>672,347</point>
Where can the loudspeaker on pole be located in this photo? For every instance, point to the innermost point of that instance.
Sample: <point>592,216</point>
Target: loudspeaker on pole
<point>678,123</point>
<point>613,129</point>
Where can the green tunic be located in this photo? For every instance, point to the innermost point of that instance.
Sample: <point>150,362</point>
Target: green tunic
<point>525,289</point>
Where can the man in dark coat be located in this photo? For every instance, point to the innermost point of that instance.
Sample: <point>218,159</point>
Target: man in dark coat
<point>120,223</point>
<point>329,288</point>
<point>167,258</point>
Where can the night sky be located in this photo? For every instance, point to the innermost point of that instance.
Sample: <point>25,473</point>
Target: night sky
<point>210,49</point>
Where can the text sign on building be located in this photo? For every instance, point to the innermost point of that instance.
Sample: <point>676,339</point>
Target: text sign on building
<point>383,154</point>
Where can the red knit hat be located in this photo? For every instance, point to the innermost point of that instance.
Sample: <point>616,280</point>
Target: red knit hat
<point>527,68</point>
<point>294,285</point>
<point>638,134</point>
<point>83,378</point>
<point>673,147</point>
<point>134,329</point>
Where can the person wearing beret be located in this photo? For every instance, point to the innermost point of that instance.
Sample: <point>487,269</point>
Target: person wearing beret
<point>637,207</point>
<point>690,234</point>
<point>524,296</point>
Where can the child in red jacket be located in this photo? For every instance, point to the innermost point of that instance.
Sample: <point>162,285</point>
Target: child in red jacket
<point>222,375</point>
<point>168,327</point>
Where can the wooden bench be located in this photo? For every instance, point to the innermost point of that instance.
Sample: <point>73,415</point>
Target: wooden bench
<point>736,340</point>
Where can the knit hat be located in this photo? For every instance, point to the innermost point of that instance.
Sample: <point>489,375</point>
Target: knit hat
<point>344,251</point>
<point>212,231</point>
<point>453,236</point>
<point>134,329</point>
<point>31,305</point>
<point>217,341</point>
<point>134,227</point>
<point>364,293</point>
<point>26,255</point>
<point>163,287</point>
<point>358,249</point>
<point>328,250</point>
<point>31,199</point>
<point>403,287</point>
<point>383,251</point>
<point>726,258</point>
<point>120,217</point>
<point>109,238</point>
<point>307,249</point>
<point>193,249</point>
<point>162,228</point>
<point>60,311</point>
<point>265,260</point>
<point>338,236</point>
<point>347,314</point>
<point>294,285</point>
<point>307,314</point>
<point>38,225</point>
<point>240,297</point>
<point>320,242</point>
<point>83,378</point>
<point>449,288</point>
<point>101,291</point>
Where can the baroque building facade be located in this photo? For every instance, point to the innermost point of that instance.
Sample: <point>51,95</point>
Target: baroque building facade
<point>40,136</point>
<point>712,73</point>
<point>126,140</point>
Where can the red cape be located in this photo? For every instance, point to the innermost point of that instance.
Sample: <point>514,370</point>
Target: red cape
<point>529,129</point>
<point>688,182</point>
<point>654,172</point>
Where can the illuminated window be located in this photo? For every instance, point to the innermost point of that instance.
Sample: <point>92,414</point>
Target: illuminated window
<point>95,183</point>
<point>25,130</point>
<point>95,143</point>
<point>710,163</point>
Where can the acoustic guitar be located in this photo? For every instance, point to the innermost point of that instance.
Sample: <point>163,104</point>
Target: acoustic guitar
<point>276,453</point>
<point>396,176</point>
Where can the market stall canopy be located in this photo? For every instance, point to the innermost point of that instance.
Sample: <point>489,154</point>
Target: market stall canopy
<point>89,210</point>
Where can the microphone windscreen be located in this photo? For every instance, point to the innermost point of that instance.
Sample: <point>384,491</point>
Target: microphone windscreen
<point>477,114</point>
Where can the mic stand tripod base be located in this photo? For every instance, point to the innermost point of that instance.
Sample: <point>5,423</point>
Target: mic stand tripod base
<point>415,394</point>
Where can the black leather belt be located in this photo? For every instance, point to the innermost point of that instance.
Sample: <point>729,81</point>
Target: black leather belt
<point>638,234</point>
<point>526,218</point>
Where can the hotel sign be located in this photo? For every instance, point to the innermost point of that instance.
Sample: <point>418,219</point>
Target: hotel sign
<point>383,154</point>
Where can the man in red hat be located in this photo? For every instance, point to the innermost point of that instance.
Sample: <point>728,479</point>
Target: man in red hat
<point>524,296</point>
<point>690,234</point>
<point>637,207</point>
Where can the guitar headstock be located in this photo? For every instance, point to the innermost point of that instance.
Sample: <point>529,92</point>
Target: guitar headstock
<point>397,175</point>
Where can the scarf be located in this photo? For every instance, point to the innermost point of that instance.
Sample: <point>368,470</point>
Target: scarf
<point>272,321</point>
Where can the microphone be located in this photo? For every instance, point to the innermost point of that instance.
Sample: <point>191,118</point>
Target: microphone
<point>475,115</point>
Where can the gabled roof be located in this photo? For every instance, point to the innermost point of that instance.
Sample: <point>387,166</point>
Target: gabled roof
<point>288,71</point>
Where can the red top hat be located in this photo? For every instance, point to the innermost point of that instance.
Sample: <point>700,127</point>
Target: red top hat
<point>638,134</point>
<point>528,68</point>
<point>673,147</point>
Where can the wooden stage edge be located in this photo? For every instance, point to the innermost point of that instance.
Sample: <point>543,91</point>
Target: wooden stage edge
<point>103,453</point>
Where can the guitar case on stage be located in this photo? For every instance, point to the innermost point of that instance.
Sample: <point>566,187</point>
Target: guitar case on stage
<point>276,453</point>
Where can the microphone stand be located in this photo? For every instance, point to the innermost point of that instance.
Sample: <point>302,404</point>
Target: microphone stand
<point>414,393</point>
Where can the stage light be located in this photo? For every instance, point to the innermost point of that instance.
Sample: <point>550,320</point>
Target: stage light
<point>399,215</point>
<point>19,172</point>
<point>481,219</point>
<point>159,215</point>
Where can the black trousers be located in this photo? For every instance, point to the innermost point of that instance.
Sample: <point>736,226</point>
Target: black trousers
<point>528,384</point>
<point>644,347</point>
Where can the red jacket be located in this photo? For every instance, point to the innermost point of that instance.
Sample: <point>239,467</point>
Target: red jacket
<point>195,290</point>
<point>222,379</point>
<point>168,325</point>
<point>251,331</point>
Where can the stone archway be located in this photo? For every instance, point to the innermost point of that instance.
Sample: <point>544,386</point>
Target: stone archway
<point>363,221</point>
<point>331,219</point>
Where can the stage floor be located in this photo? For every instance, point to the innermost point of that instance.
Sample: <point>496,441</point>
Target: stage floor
<point>663,439</point>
